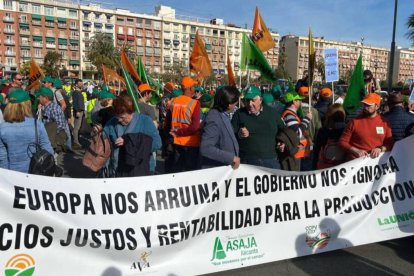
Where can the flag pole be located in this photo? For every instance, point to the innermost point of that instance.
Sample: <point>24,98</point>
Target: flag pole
<point>333,93</point>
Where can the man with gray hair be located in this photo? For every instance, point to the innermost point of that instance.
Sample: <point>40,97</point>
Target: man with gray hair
<point>256,126</point>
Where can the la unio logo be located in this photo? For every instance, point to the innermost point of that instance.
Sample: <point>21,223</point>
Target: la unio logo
<point>21,265</point>
<point>142,262</point>
<point>247,245</point>
<point>317,237</point>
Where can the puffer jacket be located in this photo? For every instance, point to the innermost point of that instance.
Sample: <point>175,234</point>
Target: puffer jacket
<point>399,120</point>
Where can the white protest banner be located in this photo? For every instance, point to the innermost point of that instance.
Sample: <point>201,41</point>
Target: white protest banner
<point>202,221</point>
<point>331,64</point>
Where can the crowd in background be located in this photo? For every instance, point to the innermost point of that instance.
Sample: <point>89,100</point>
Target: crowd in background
<point>289,128</point>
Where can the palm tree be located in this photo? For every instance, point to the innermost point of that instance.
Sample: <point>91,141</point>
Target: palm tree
<point>410,26</point>
<point>101,51</point>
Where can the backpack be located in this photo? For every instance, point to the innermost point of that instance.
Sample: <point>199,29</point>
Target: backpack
<point>42,162</point>
<point>99,150</point>
<point>331,154</point>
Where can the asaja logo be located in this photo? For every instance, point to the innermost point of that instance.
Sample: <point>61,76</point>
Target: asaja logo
<point>218,251</point>
<point>21,265</point>
<point>142,262</point>
<point>316,237</point>
<point>246,245</point>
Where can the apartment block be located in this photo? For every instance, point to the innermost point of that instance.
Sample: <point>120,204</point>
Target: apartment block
<point>294,50</point>
<point>32,28</point>
<point>29,29</point>
<point>403,65</point>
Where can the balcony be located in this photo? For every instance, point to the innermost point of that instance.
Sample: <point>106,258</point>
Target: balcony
<point>8,19</point>
<point>8,31</point>
<point>36,22</point>
<point>24,21</point>
<point>63,47</point>
<point>86,39</point>
<point>50,46</point>
<point>9,54</point>
<point>72,27</point>
<point>86,29</point>
<point>63,36</point>
<point>74,47</point>
<point>9,42</point>
<point>62,25</point>
<point>74,37</point>
<point>24,32</point>
<point>37,44</point>
<point>50,24</point>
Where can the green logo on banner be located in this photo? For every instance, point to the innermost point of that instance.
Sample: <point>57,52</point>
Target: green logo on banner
<point>218,251</point>
<point>20,265</point>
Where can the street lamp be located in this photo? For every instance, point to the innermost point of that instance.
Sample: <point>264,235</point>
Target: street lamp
<point>392,53</point>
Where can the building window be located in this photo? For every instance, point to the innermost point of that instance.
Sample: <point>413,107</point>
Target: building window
<point>48,10</point>
<point>130,31</point>
<point>139,41</point>
<point>148,43</point>
<point>73,13</point>
<point>23,7</point>
<point>36,9</point>
<point>10,61</point>
<point>73,25</point>
<point>8,4</point>
<point>120,30</point>
<point>61,12</point>
<point>157,25</point>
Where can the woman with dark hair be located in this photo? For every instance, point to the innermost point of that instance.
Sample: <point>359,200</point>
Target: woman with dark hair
<point>17,132</point>
<point>219,145</point>
<point>327,152</point>
<point>133,138</point>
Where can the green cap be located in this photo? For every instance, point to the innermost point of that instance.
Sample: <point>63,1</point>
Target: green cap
<point>1,99</point>
<point>206,98</point>
<point>104,88</point>
<point>176,93</point>
<point>252,92</point>
<point>44,91</point>
<point>268,98</point>
<point>276,90</point>
<point>291,96</point>
<point>57,84</point>
<point>18,96</point>
<point>49,79</point>
<point>198,88</point>
<point>106,95</point>
<point>3,81</point>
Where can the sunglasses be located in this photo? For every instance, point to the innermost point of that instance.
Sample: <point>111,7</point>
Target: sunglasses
<point>18,79</point>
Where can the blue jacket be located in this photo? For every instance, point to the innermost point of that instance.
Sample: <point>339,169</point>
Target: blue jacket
<point>14,140</point>
<point>139,124</point>
<point>399,120</point>
<point>218,142</point>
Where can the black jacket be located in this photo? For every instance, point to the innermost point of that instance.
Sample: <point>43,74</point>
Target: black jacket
<point>134,155</point>
<point>78,101</point>
<point>399,120</point>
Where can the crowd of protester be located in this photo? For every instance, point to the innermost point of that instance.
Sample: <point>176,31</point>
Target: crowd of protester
<point>283,128</point>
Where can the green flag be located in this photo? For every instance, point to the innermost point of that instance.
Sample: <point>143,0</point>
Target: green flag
<point>131,87</point>
<point>141,71</point>
<point>253,58</point>
<point>356,90</point>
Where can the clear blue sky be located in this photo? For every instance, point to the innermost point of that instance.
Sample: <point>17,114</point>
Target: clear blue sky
<point>345,20</point>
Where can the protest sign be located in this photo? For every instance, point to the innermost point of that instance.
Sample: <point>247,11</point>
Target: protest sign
<point>209,220</point>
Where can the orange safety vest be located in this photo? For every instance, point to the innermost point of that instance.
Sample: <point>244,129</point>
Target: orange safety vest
<point>304,143</point>
<point>182,109</point>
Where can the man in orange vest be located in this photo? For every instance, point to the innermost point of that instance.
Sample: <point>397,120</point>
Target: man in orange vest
<point>183,121</point>
<point>293,101</point>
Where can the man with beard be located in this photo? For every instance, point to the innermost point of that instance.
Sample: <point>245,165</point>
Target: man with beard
<point>368,134</point>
